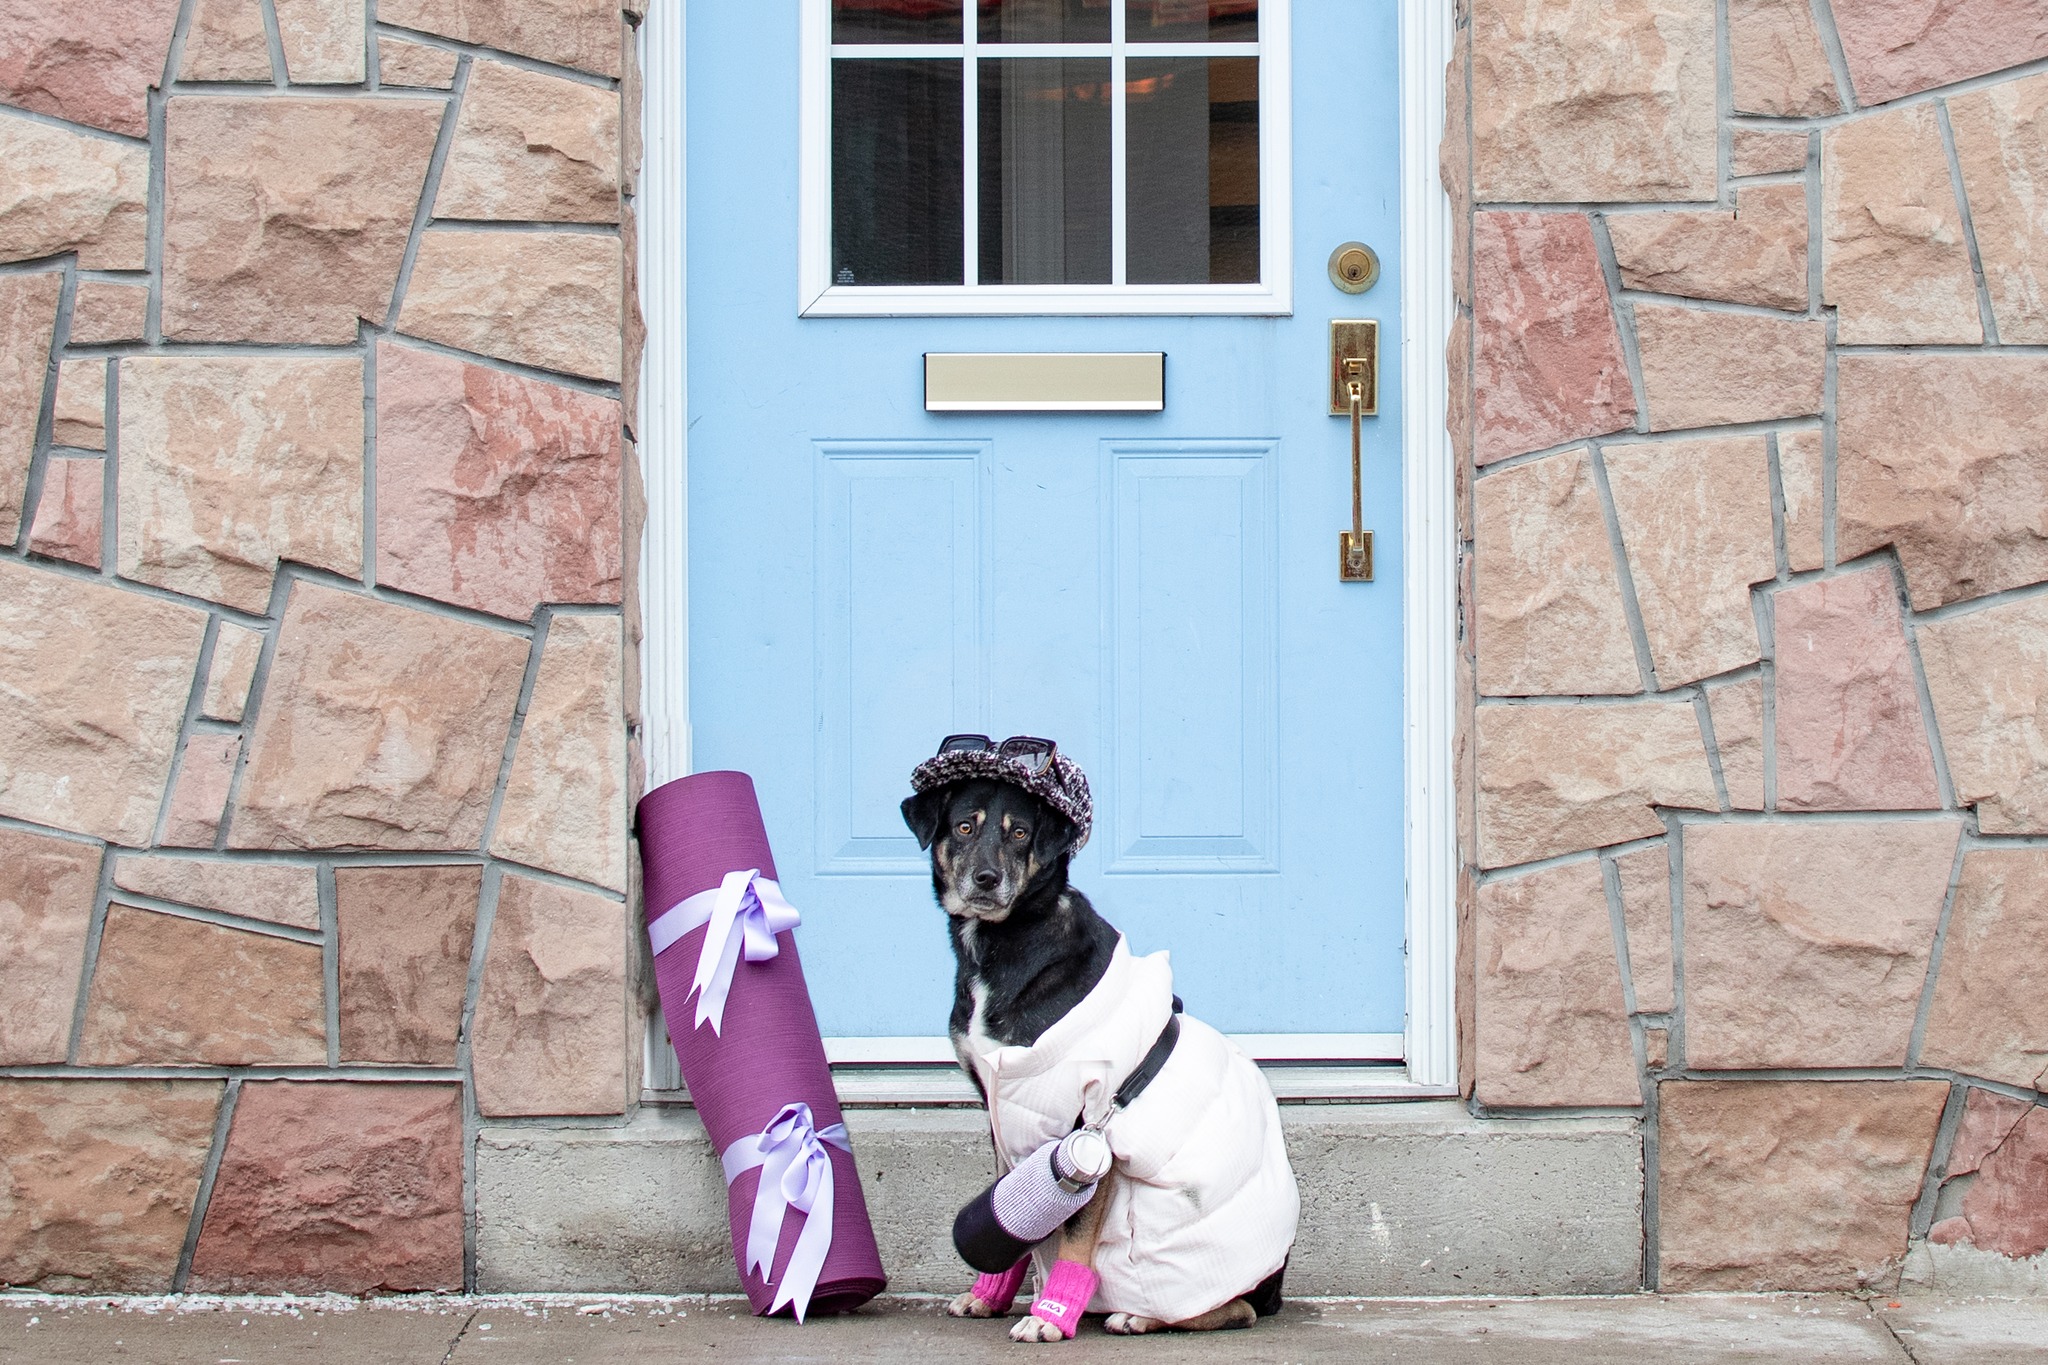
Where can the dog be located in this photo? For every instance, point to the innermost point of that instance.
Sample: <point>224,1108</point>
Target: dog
<point>1051,1014</point>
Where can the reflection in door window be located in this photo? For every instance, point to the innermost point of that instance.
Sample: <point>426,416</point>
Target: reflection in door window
<point>1045,142</point>
<point>1194,176</point>
<point>1045,172</point>
<point>896,172</point>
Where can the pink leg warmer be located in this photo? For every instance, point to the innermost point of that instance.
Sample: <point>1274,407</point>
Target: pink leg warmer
<point>997,1291</point>
<point>1065,1296</point>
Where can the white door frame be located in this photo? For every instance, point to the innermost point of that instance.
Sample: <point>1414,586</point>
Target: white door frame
<point>1429,608</point>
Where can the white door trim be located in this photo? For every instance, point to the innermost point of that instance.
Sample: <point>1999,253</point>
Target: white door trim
<point>1429,530</point>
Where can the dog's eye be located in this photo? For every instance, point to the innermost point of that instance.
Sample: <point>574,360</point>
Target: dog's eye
<point>964,828</point>
<point>1020,834</point>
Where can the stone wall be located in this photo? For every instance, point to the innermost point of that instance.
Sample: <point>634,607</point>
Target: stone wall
<point>313,709</point>
<point>315,674</point>
<point>1752,407</point>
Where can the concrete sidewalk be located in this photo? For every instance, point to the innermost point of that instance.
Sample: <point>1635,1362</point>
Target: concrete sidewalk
<point>1677,1330</point>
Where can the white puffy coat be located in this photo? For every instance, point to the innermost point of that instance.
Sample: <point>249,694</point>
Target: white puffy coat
<point>1202,1203</point>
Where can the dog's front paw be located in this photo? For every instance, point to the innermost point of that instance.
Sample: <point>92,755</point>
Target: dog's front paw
<point>1130,1324</point>
<point>1035,1328</point>
<point>968,1305</point>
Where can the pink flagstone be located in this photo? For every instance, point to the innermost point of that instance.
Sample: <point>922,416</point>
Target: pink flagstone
<point>1801,475</point>
<point>1754,253</point>
<point>404,960</point>
<point>68,516</point>
<point>1552,1025</point>
<point>2006,1208</point>
<point>65,190</point>
<point>104,312</point>
<point>1645,878</point>
<point>169,991</point>
<point>97,681</point>
<point>1810,1185</point>
<point>1850,731</point>
<point>1894,262</point>
<point>283,893</point>
<point>1988,1119</point>
<point>1582,100</point>
<point>1738,714</point>
<point>323,40</point>
<point>1990,1013</point>
<point>92,65</point>
<point>1779,66</point>
<point>494,491</point>
<point>381,727</point>
<point>2001,138</point>
<point>1946,457</point>
<point>201,791</point>
<point>226,42</point>
<point>28,321</point>
<point>1548,364</point>
<point>1556,779</point>
<point>1898,47</point>
<point>100,1177</point>
<point>286,220</point>
<point>1806,944</point>
<point>1547,594</point>
<point>579,33</point>
<point>337,1187</point>
<point>550,1030</point>
<point>47,887</point>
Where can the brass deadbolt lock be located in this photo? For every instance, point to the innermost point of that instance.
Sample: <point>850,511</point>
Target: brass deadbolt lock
<point>1354,268</point>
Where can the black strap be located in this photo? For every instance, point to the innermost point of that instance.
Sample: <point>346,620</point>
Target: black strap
<point>1135,1083</point>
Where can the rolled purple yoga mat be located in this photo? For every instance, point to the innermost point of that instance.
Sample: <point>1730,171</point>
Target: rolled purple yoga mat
<point>767,1053</point>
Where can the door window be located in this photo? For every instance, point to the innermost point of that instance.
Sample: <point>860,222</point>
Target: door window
<point>1035,156</point>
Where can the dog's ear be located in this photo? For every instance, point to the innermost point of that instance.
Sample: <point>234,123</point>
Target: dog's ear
<point>1052,836</point>
<point>923,812</point>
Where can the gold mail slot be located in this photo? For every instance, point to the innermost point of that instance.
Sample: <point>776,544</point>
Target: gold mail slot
<point>1045,381</point>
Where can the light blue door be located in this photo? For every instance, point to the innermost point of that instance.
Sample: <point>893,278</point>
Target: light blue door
<point>1157,591</point>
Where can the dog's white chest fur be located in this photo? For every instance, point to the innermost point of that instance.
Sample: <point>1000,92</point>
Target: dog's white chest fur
<point>976,1041</point>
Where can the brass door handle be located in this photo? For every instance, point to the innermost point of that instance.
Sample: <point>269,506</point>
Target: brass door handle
<point>1354,389</point>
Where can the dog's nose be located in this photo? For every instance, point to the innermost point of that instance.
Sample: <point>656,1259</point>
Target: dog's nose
<point>987,878</point>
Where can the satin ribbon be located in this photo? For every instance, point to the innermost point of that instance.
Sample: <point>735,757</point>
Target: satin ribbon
<point>745,911</point>
<point>796,1173</point>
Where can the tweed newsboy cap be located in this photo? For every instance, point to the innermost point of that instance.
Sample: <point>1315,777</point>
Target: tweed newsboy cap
<point>1061,786</point>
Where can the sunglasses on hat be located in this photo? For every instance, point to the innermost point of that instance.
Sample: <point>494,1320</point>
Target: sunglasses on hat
<point>1028,752</point>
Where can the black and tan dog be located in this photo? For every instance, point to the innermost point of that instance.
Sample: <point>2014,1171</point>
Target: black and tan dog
<point>1051,1013</point>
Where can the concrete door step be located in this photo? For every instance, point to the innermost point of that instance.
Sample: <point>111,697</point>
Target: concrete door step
<point>1397,1199</point>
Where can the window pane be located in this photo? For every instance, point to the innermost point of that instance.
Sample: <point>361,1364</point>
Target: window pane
<point>1045,171</point>
<point>1192,21</point>
<point>1045,21</point>
<point>1193,180</point>
<point>895,21</point>
<point>896,173</point>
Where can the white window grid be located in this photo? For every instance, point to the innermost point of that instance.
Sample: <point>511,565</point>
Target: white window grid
<point>818,296</point>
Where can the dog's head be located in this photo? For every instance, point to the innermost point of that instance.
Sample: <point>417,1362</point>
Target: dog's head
<point>992,845</point>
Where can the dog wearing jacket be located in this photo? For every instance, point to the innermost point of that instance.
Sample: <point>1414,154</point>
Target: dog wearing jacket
<point>1051,1015</point>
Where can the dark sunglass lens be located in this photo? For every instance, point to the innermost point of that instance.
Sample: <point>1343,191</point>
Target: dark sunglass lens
<point>963,744</point>
<point>1033,754</point>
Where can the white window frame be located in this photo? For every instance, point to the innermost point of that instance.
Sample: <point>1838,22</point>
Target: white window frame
<point>1429,606</point>
<point>817,296</point>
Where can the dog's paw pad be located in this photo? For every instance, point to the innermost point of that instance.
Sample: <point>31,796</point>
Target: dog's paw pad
<point>1131,1324</point>
<point>1035,1329</point>
<point>968,1306</point>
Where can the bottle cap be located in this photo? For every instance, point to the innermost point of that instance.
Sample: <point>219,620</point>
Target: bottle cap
<point>1083,1157</point>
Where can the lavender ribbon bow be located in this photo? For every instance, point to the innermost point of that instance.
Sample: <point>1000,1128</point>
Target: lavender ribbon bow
<point>796,1173</point>
<point>745,911</point>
